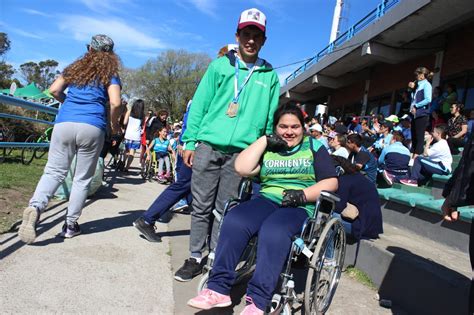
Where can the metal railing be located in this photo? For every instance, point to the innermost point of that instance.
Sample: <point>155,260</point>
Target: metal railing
<point>13,101</point>
<point>369,19</point>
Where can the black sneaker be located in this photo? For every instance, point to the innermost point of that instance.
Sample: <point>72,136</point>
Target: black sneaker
<point>69,231</point>
<point>147,230</point>
<point>188,271</point>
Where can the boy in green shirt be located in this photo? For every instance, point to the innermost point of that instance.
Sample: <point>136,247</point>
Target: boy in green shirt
<point>233,106</point>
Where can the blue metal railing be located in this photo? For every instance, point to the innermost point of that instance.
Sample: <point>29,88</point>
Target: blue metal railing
<point>369,19</point>
<point>9,100</point>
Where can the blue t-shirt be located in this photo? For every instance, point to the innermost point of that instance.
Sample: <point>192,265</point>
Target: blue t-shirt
<point>86,104</point>
<point>161,145</point>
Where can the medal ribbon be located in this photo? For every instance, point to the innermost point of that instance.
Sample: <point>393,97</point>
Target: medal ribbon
<point>237,91</point>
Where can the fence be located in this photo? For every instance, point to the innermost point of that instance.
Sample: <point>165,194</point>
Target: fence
<point>370,18</point>
<point>13,101</point>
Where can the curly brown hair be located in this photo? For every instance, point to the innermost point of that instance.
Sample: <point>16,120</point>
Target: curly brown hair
<point>93,68</point>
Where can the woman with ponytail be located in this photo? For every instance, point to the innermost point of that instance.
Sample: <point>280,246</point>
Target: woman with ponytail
<point>420,108</point>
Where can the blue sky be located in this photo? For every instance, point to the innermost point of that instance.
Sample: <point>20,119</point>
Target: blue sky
<point>60,29</point>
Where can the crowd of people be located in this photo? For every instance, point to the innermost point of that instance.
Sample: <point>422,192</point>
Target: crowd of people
<point>234,128</point>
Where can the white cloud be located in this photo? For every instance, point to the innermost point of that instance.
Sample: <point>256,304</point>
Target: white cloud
<point>206,6</point>
<point>104,6</point>
<point>21,32</point>
<point>36,12</point>
<point>125,36</point>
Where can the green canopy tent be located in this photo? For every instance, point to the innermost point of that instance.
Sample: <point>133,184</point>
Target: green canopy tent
<point>30,92</point>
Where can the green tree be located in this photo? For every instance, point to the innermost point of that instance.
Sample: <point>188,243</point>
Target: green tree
<point>168,81</point>
<point>4,43</point>
<point>42,73</point>
<point>30,71</point>
<point>6,72</point>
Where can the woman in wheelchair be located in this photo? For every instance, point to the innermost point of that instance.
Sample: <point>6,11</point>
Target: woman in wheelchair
<point>293,169</point>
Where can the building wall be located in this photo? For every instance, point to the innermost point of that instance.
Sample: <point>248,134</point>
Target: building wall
<point>347,95</point>
<point>459,53</point>
<point>388,78</point>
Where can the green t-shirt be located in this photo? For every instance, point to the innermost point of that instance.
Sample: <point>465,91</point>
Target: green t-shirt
<point>300,168</point>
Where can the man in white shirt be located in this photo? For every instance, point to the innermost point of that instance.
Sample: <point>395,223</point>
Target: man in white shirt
<point>435,160</point>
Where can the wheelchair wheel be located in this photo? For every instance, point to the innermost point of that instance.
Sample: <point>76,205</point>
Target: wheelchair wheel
<point>203,282</point>
<point>324,272</point>
<point>145,170</point>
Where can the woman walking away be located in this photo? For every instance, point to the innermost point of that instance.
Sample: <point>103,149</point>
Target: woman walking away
<point>420,108</point>
<point>79,131</point>
<point>133,119</point>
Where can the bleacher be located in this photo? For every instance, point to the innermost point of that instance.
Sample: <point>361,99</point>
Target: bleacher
<point>420,263</point>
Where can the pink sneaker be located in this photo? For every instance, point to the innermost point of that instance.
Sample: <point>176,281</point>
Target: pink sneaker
<point>251,309</point>
<point>208,299</point>
<point>409,182</point>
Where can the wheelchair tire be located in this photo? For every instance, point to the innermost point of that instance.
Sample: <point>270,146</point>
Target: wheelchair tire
<point>319,291</point>
<point>145,170</point>
<point>203,282</point>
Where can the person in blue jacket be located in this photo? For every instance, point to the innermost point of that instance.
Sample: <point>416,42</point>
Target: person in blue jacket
<point>420,108</point>
<point>394,159</point>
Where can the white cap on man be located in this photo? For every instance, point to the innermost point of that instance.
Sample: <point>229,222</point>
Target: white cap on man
<point>252,17</point>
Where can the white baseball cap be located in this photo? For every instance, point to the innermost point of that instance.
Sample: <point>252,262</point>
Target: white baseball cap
<point>316,127</point>
<point>252,17</point>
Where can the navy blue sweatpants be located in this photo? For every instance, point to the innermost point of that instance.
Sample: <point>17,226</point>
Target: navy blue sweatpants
<point>171,195</point>
<point>423,168</point>
<point>275,227</point>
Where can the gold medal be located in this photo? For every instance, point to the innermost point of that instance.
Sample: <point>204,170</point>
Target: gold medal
<point>232,109</point>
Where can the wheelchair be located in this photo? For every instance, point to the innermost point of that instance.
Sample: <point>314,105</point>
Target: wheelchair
<point>320,248</point>
<point>149,169</point>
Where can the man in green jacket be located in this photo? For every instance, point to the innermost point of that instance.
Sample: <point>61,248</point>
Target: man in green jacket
<point>232,107</point>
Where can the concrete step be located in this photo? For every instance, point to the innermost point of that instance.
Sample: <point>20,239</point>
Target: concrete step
<point>418,274</point>
<point>427,224</point>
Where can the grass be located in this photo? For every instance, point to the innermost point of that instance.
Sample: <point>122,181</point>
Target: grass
<point>17,184</point>
<point>361,277</point>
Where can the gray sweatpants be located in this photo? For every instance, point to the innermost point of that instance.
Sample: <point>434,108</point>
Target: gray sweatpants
<point>69,139</point>
<point>213,182</point>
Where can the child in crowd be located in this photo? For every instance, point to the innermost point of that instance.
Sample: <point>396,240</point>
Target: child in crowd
<point>436,159</point>
<point>361,157</point>
<point>161,146</point>
<point>406,131</point>
<point>436,118</point>
<point>393,160</point>
<point>133,119</point>
<point>384,137</point>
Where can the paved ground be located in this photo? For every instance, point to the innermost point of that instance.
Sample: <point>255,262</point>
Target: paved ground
<point>111,269</point>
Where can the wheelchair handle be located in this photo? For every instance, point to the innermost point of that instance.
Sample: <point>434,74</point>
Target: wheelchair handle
<point>329,196</point>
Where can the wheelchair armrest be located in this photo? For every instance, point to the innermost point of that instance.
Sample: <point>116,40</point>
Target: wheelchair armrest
<point>329,196</point>
<point>245,189</point>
